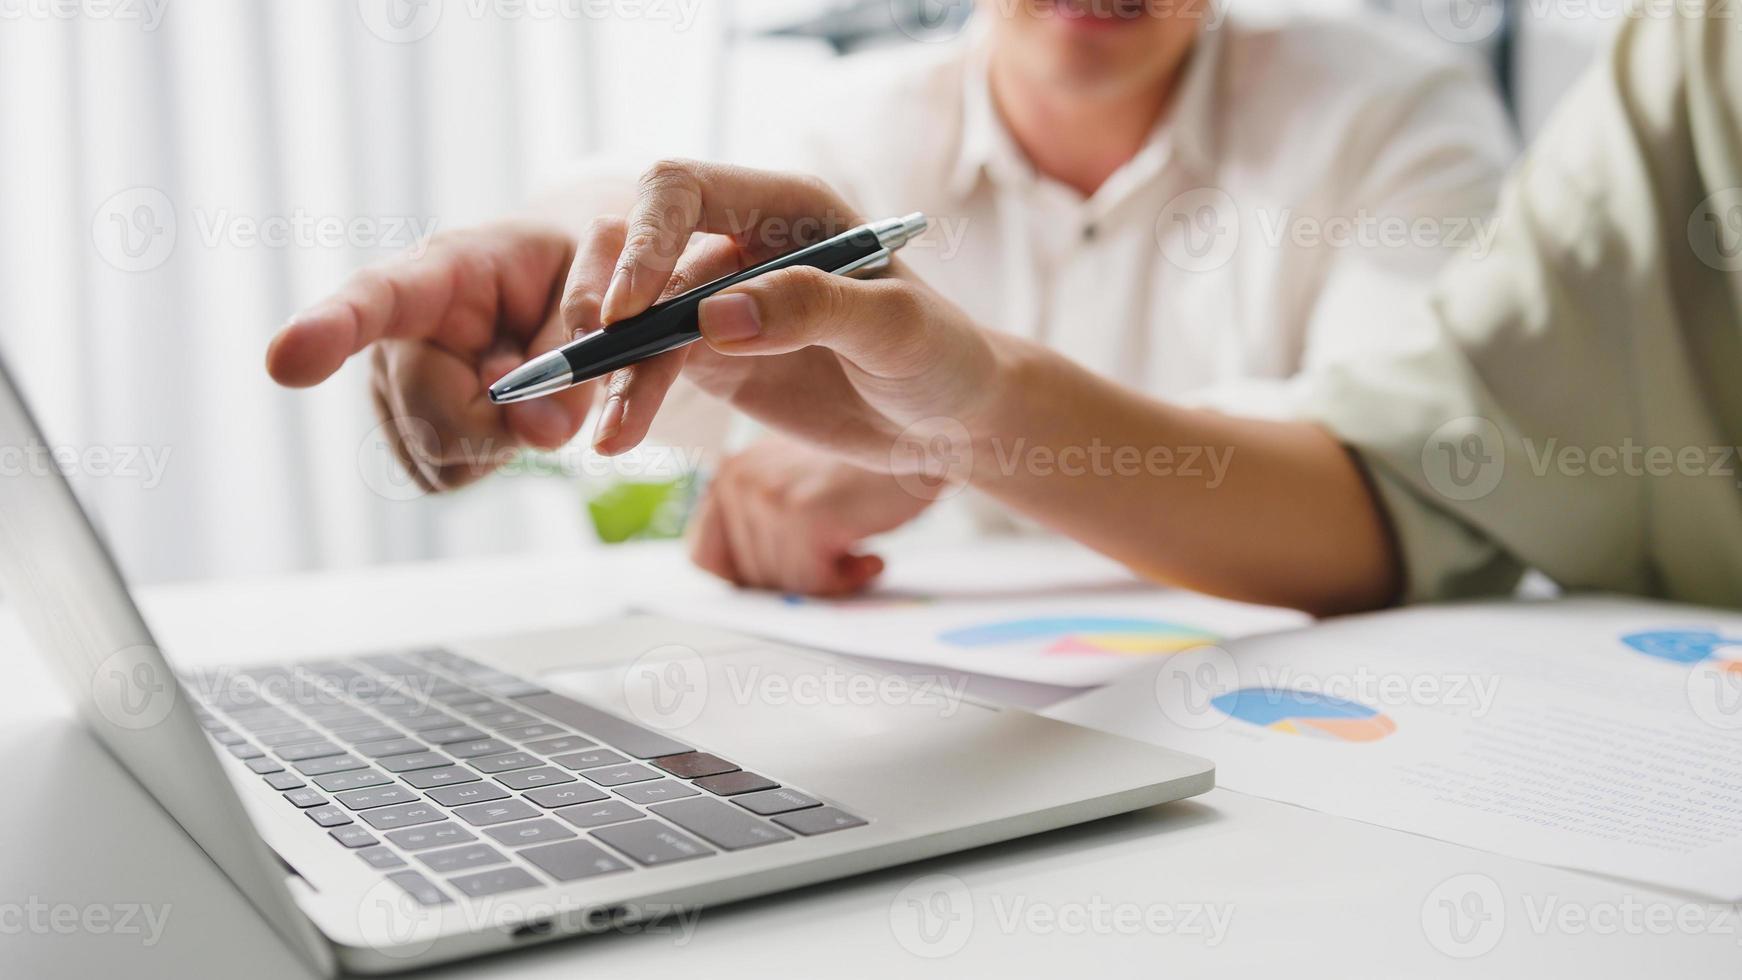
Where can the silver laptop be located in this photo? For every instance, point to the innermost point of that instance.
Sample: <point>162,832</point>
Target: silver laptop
<point>399,808</point>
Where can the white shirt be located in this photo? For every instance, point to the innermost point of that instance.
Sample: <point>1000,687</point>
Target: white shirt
<point>1191,272</point>
<point>1309,178</point>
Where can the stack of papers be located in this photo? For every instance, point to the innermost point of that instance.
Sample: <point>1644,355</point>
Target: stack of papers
<point>1598,734</point>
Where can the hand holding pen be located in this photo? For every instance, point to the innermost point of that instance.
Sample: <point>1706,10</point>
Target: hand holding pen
<point>840,361</point>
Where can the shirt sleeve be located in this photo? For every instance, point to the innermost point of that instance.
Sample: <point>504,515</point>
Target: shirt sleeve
<point>1554,337</point>
<point>1421,168</point>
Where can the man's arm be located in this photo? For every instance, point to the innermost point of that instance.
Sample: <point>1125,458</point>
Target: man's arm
<point>1269,512</point>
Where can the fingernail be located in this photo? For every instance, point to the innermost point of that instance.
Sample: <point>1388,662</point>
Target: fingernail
<point>730,318</point>
<point>610,420</point>
<point>617,292</point>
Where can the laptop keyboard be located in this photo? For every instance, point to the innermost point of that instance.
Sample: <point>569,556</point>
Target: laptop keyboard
<point>457,780</point>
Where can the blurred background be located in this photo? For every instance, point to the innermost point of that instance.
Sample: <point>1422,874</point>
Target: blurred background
<point>179,176</point>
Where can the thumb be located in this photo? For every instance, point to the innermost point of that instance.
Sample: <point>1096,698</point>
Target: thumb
<point>879,325</point>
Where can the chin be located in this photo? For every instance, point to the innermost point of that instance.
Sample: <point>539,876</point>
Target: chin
<point>1090,72</point>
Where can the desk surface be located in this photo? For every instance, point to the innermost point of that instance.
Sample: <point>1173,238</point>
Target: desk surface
<point>1223,885</point>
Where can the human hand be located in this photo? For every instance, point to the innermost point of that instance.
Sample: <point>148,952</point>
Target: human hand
<point>847,365</point>
<point>440,327</point>
<point>783,516</point>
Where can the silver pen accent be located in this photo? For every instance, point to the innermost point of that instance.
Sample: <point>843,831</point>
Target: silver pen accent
<point>546,374</point>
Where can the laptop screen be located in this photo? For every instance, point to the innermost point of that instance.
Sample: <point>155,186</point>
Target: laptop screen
<point>60,580</point>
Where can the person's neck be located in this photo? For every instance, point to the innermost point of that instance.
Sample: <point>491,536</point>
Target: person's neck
<point>1075,144</point>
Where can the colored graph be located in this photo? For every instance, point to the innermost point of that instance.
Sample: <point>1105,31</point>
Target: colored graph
<point>1083,635</point>
<point>1302,713</point>
<point>1689,647</point>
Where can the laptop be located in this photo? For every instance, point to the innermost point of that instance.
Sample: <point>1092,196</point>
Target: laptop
<point>399,808</point>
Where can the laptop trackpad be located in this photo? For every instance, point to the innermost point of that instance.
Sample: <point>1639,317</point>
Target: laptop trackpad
<point>761,697</point>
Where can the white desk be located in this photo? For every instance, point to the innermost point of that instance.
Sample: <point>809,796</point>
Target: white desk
<point>1305,895</point>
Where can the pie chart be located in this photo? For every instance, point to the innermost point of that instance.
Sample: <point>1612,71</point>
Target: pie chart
<point>1083,635</point>
<point>1689,647</point>
<point>1304,713</point>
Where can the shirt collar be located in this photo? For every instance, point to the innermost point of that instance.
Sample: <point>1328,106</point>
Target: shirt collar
<point>1186,132</point>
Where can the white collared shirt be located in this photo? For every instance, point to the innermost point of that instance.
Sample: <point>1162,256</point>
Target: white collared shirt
<point>1193,273</point>
<point>1309,178</point>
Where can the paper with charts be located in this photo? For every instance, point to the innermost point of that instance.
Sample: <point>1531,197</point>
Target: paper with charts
<point>1598,734</point>
<point>1044,611</point>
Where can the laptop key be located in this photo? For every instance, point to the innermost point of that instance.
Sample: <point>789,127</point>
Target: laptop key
<point>472,748</point>
<point>246,751</point>
<point>657,792</point>
<point>503,763</point>
<point>589,759</point>
<point>391,746</point>
<point>431,835</point>
<point>551,797</point>
<point>721,824</point>
<point>820,820</point>
<point>772,801</point>
<point>339,782</point>
<point>501,811</point>
<point>494,882</point>
<point>534,778</point>
<point>559,745</point>
<point>530,832</point>
<point>369,733</point>
<point>467,793</point>
<point>455,859</point>
<point>454,699</point>
<point>337,763</point>
<point>308,750</point>
<point>506,718</point>
<point>651,843</point>
<point>514,688</point>
<point>527,733</point>
<point>328,816</point>
<point>289,736</point>
<point>380,857</point>
<point>604,726</point>
<point>414,761</point>
<point>599,814</point>
<point>377,796</point>
<point>573,860</point>
<point>353,836</point>
<point>694,765</point>
<point>419,888</point>
<point>423,721</point>
<point>403,815</point>
<point>618,775</point>
<point>734,783</point>
<point>452,733</point>
<point>265,766</point>
<point>284,780</point>
<point>302,799</point>
<point>445,776</point>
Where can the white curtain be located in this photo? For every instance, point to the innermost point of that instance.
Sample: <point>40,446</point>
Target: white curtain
<point>179,176</point>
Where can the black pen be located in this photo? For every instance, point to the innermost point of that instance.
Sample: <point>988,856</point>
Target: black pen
<point>673,323</point>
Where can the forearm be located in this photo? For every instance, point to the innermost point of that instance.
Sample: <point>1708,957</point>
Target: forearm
<point>1268,512</point>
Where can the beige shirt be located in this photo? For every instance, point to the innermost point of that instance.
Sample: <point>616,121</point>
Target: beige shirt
<point>1577,403</point>
<point>1308,178</point>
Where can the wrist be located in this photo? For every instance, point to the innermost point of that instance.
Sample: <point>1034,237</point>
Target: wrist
<point>1023,379</point>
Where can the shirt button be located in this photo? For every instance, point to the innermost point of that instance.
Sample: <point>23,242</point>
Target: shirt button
<point>1090,231</point>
